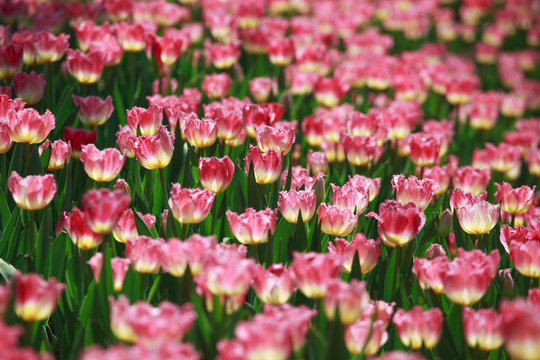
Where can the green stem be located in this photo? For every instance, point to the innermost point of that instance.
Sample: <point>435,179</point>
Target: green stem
<point>256,252</point>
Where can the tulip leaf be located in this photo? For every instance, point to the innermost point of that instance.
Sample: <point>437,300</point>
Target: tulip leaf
<point>6,270</point>
<point>5,214</point>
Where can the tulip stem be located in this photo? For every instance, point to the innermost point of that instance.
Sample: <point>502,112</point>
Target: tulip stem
<point>256,252</point>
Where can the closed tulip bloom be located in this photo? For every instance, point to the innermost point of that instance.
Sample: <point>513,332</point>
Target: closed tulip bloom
<point>514,201</point>
<point>439,175</point>
<point>196,248</point>
<point>154,152</point>
<point>49,47</point>
<point>126,226</point>
<point>143,121</point>
<point>278,138</point>
<point>471,180</point>
<point>335,221</point>
<point>317,162</point>
<point>29,87</point>
<point>119,267</point>
<point>291,203</point>
<point>533,161</point>
<point>200,133</point>
<point>85,68</point>
<point>32,192</point>
<point>261,114</point>
<point>280,51</point>
<point>28,126</point>
<point>521,329</point>
<point>103,208</point>
<point>349,299</point>
<point>6,142</point>
<point>372,186</point>
<point>274,285</point>
<point>417,327</point>
<point>423,149</point>
<point>60,154</point>
<point>190,206</point>
<point>216,174</point>
<point>132,37</point>
<point>173,257</point>
<point>504,157</point>
<point>80,233</point>
<point>102,165</point>
<point>428,272</point>
<point>412,189</point>
<point>252,227</point>
<point>398,223</point>
<point>266,166</point>
<point>216,86</point>
<point>224,56</point>
<point>368,251</point>
<point>467,278</point>
<point>231,127</point>
<point>313,272</point>
<point>329,91</point>
<point>350,197</point>
<point>144,254</point>
<point>360,150</point>
<point>478,217</point>
<point>523,246</point>
<point>125,139</point>
<point>93,110</point>
<point>36,298</point>
<point>261,88</point>
<point>96,264</point>
<point>365,337</point>
<point>482,328</point>
<point>78,138</point>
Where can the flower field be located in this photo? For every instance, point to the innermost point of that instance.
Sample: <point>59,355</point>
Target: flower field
<point>269,180</point>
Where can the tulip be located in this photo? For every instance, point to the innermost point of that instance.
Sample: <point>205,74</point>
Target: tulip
<point>418,327</point>
<point>419,192</point>
<point>49,47</point>
<point>428,272</point>
<point>27,126</point>
<point>266,166</point>
<point>102,165</point>
<point>80,233</point>
<point>11,60</point>
<point>292,203</point>
<point>478,217</point>
<point>35,298</point>
<point>398,224</point>
<point>439,175</point>
<point>368,252</point>
<point>78,138</point>
<point>263,337</point>
<point>252,227</point>
<point>143,253</point>
<point>482,329</point>
<point>216,86</point>
<point>29,87</point>
<point>196,248</point>
<point>6,142</point>
<point>231,127</point>
<point>280,51</point>
<point>60,154</point>
<point>372,186</point>
<point>349,299</point>
<point>93,110</point>
<point>103,208</point>
<point>263,114</point>
<point>317,162</point>
<point>274,285</point>
<point>126,226</point>
<point>200,133</point>
<point>514,201</point>
<point>423,149</point>
<point>85,68</point>
<point>296,318</point>
<point>278,138</point>
<point>154,152</point>
<point>504,157</point>
<point>261,88</point>
<point>520,329</point>
<point>335,221</point>
<point>96,263</point>
<point>190,206</point>
<point>350,197</point>
<point>224,56</point>
<point>173,257</point>
<point>123,186</point>
<point>435,250</point>
<point>144,121</point>
<point>360,150</point>
<point>216,174</point>
<point>329,91</point>
<point>32,192</point>
<point>119,267</point>
<point>523,246</point>
<point>365,337</point>
<point>131,36</point>
<point>313,272</point>
<point>166,49</point>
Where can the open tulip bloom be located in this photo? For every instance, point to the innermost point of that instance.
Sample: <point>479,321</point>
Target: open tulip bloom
<point>269,180</point>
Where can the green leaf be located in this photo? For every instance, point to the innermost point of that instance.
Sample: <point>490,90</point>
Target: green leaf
<point>6,270</point>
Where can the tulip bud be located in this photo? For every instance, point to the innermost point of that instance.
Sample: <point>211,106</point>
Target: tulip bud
<point>452,246</point>
<point>507,283</point>
<point>96,263</point>
<point>445,223</point>
<point>120,267</point>
<point>318,186</point>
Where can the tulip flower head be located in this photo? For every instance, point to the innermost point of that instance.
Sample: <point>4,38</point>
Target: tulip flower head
<point>36,298</point>
<point>32,192</point>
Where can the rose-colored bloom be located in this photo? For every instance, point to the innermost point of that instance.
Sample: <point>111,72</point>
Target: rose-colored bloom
<point>280,51</point>
<point>523,246</point>
<point>96,263</point>
<point>102,165</point>
<point>482,329</point>
<point>295,318</point>
<point>504,157</point>
<point>144,121</point>
<point>190,206</point>
<point>78,138</point>
<point>417,327</point>
<point>471,180</point>
<point>85,68</point>
<point>125,139</point>
<point>466,279</point>
<point>200,133</point>
<point>28,126</point>
<point>349,299</point>
<point>35,298</point>
<point>278,138</point>
<point>231,127</point>
<point>119,267</point>
<point>439,175</point>
<point>398,223</point>
<point>6,142</point>
<point>291,203</point>
<point>368,252</point>
<point>372,186</point>
<point>29,87</point>
<point>224,56</point>
<point>131,36</point>
<point>360,150</point>
<point>49,47</point>
<point>166,49</point>
<point>93,110</point>
<point>144,254</point>
<point>514,201</point>
<point>154,152</point>
<point>126,226</point>
<point>365,337</point>
<point>521,329</point>
<point>11,60</point>
<point>252,227</point>
<point>419,192</point>
<point>103,208</point>
<point>274,285</point>
<point>477,216</point>
<point>329,91</point>
<point>350,197</point>
<point>80,233</point>
<point>313,272</point>
<point>261,88</point>
<point>533,161</point>
<point>196,248</point>
<point>173,257</point>
<point>335,221</point>
<point>428,272</point>
<point>435,250</point>
<point>59,156</point>
<point>266,166</point>
<point>216,86</point>
<point>262,114</point>
<point>216,174</point>
<point>32,192</point>
<point>317,162</point>
<point>151,326</point>
<point>423,149</point>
